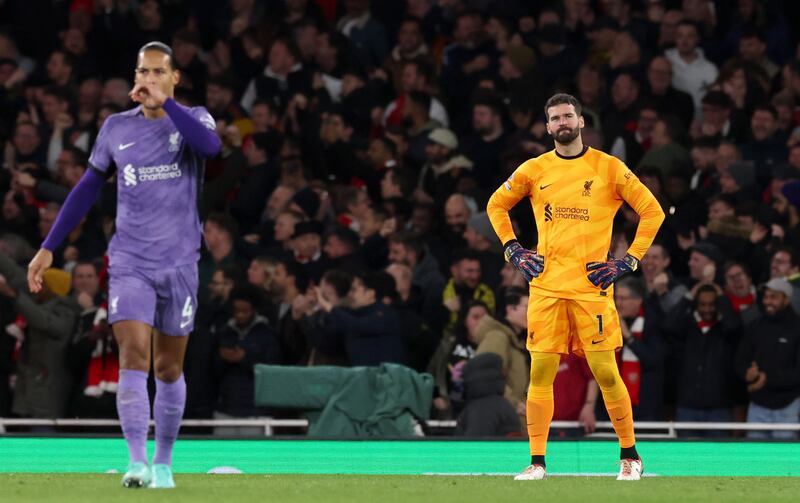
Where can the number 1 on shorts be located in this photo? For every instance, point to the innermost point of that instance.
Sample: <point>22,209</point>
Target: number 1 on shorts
<point>600,323</point>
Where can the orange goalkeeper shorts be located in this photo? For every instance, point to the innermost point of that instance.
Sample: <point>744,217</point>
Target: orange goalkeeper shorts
<point>562,325</point>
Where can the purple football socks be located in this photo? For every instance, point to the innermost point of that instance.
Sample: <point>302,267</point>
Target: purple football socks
<point>133,407</point>
<point>168,412</point>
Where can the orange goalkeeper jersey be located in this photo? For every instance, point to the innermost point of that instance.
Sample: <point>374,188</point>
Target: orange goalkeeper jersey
<point>574,202</point>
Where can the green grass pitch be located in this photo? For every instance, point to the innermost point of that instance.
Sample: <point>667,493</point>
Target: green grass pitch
<point>198,488</point>
<point>287,471</point>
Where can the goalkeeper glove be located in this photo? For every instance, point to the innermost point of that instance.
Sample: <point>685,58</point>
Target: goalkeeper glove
<point>528,262</point>
<point>604,274</point>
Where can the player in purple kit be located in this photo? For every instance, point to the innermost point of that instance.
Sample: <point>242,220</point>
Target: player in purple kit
<point>159,149</point>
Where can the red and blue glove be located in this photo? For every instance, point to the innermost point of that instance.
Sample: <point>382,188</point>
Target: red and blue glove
<point>604,274</point>
<point>528,262</point>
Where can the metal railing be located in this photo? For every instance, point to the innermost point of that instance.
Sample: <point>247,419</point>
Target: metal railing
<point>644,429</point>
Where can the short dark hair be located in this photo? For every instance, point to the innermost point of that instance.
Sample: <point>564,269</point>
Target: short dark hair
<point>635,285</point>
<point>247,293</point>
<point>489,101</point>
<point>56,92</point>
<point>225,222</point>
<point>68,58</point>
<point>689,22</point>
<point>388,144</point>
<point>347,236</point>
<point>410,241</point>
<point>340,280</point>
<point>703,289</point>
<point>664,248</point>
<point>563,99</point>
<point>92,263</point>
<point>766,107</point>
<point>424,68</point>
<point>794,257</point>
<point>81,159</point>
<point>269,103</point>
<point>404,179</point>
<point>465,254</point>
<point>160,47</point>
<point>381,282</point>
<point>232,272</point>
<point>735,263</point>
<point>726,199</point>
<point>421,99</point>
<point>298,272</point>
<point>751,31</point>
<point>512,296</point>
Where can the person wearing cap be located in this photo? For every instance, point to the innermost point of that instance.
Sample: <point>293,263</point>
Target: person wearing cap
<point>505,334</point>
<point>305,201</point>
<point>704,260</point>
<point>50,315</point>
<point>444,167</point>
<point>785,263</point>
<point>486,412</point>
<point>692,72</point>
<point>739,181</point>
<point>306,247</point>
<point>480,237</point>
<point>768,360</point>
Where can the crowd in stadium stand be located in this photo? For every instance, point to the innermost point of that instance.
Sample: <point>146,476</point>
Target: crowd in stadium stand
<point>344,219</point>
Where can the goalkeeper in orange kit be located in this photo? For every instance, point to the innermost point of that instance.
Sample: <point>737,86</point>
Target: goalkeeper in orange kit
<point>575,191</point>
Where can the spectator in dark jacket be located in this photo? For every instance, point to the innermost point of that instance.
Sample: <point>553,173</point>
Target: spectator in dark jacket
<point>643,350</point>
<point>369,332</point>
<point>43,379</point>
<point>248,339</point>
<point>487,412</point>
<point>704,335</point>
<point>769,361</point>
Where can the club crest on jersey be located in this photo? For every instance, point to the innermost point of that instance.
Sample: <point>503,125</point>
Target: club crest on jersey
<point>587,188</point>
<point>174,141</point>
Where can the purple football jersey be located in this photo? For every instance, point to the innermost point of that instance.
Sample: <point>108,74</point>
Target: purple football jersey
<point>159,178</point>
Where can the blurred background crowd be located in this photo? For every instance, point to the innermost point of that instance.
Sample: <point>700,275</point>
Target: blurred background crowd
<point>344,218</point>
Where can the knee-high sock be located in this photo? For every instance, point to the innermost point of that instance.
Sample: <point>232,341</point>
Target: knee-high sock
<point>168,412</point>
<point>133,407</point>
<point>615,394</point>
<point>539,406</point>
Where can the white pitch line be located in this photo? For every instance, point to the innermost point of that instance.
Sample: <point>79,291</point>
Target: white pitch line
<point>500,474</point>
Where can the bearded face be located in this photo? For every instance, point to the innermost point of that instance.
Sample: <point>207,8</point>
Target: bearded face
<point>563,123</point>
<point>566,135</point>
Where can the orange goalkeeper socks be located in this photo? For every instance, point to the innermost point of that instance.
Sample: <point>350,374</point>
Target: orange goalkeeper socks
<point>615,394</point>
<point>621,414</point>
<point>539,406</point>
